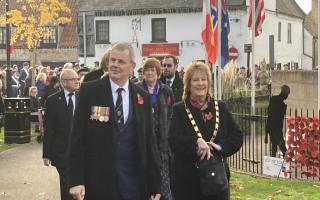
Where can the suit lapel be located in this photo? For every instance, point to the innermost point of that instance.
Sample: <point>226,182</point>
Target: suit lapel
<point>137,108</point>
<point>105,92</point>
<point>62,100</point>
<point>105,99</point>
<point>138,112</point>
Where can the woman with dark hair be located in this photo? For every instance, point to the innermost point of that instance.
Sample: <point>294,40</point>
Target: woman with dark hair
<point>200,127</point>
<point>162,101</point>
<point>53,87</point>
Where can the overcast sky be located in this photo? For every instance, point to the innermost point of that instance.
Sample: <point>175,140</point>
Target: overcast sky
<point>305,5</point>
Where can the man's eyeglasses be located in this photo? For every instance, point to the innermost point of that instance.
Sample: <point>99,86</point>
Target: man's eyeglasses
<point>167,65</point>
<point>71,79</point>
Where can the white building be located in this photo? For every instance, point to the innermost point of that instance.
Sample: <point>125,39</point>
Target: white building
<point>310,56</point>
<point>159,27</point>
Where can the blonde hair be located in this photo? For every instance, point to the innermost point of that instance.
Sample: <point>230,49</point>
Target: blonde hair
<point>32,88</point>
<point>122,46</point>
<point>193,67</point>
<point>105,60</point>
<point>152,63</point>
<point>41,77</point>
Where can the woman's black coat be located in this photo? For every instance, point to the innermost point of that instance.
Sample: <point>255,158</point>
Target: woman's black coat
<point>165,102</point>
<point>183,142</point>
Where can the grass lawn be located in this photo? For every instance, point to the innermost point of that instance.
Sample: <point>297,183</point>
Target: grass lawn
<point>245,187</point>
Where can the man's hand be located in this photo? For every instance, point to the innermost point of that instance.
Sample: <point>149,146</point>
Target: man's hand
<point>77,192</point>
<point>155,197</point>
<point>46,161</point>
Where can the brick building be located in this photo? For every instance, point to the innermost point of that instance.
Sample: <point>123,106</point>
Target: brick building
<point>59,48</point>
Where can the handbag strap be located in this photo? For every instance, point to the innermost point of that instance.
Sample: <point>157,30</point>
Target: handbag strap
<point>196,128</point>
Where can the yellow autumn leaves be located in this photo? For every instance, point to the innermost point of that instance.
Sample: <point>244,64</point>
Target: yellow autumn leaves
<point>31,19</point>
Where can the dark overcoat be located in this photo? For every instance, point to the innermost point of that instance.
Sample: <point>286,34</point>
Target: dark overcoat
<point>165,102</point>
<point>57,129</point>
<point>183,142</point>
<point>93,145</point>
<point>177,86</point>
<point>94,75</point>
<point>276,112</point>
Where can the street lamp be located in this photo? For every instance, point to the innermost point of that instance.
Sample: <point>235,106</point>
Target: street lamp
<point>8,69</point>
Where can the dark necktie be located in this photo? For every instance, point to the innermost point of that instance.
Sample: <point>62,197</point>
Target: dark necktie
<point>119,109</point>
<point>168,83</point>
<point>70,104</point>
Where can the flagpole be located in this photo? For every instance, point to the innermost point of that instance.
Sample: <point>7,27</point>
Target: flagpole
<point>219,51</point>
<point>253,28</point>
<point>253,123</point>
<point>214,69</point>
<point>318,59</point>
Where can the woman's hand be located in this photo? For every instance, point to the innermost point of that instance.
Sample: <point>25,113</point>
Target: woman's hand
<point>214,146</point>
<point>203,149</point>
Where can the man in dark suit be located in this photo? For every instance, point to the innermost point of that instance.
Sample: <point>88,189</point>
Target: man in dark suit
<point>112,146</point>
<point>24,75</point>
<point>276,112</point>
<point>58,120</point>
<point>97,74</point>
<point>170,76</point>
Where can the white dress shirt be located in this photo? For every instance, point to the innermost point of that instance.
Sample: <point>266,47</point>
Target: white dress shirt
<point>125,97</point>
<point>73,97</point>
<point>172,79</point>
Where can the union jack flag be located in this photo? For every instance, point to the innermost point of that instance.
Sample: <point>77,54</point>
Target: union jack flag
<point>210,31</point>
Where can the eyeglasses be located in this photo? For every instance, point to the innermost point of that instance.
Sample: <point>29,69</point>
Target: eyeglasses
<point>70,79</point>
<point>167,65</point>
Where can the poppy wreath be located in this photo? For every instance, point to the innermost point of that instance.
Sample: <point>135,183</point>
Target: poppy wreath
<point>303,145</point>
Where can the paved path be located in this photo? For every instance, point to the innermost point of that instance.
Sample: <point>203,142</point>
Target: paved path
<point>24,177</point>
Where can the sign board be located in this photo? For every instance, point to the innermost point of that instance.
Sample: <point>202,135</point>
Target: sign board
<point>272,166</point>
<point>247,48</point>
<point>233,53</point>
<point>160,49</point>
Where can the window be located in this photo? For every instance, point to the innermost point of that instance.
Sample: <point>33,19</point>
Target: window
<point>3,37</point>
<point>102,32</point>
<point>279,31</point>
<point>49,40</point>
<point>90,38</point>
<point>289,33</point>
<point>159,30</point>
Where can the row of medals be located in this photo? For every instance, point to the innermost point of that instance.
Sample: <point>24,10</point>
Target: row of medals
<point>102,114</point>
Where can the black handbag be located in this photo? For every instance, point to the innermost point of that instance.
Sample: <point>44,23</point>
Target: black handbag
<point>213,176</point>
<point>212,173</point>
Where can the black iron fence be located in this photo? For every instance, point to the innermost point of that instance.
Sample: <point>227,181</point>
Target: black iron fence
<point>250,157</point>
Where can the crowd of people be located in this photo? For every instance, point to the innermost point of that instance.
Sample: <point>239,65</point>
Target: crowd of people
<point>262,78</point>
<point>113,136</point>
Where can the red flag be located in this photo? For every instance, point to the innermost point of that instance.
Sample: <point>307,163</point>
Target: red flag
<point>259,14</point>
<point>209,32</point>
<point>11,50</point>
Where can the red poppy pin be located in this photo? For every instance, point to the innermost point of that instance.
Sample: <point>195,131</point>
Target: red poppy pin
<point>169,101</point>
<point>140,99</point>
<point>208,116</point>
